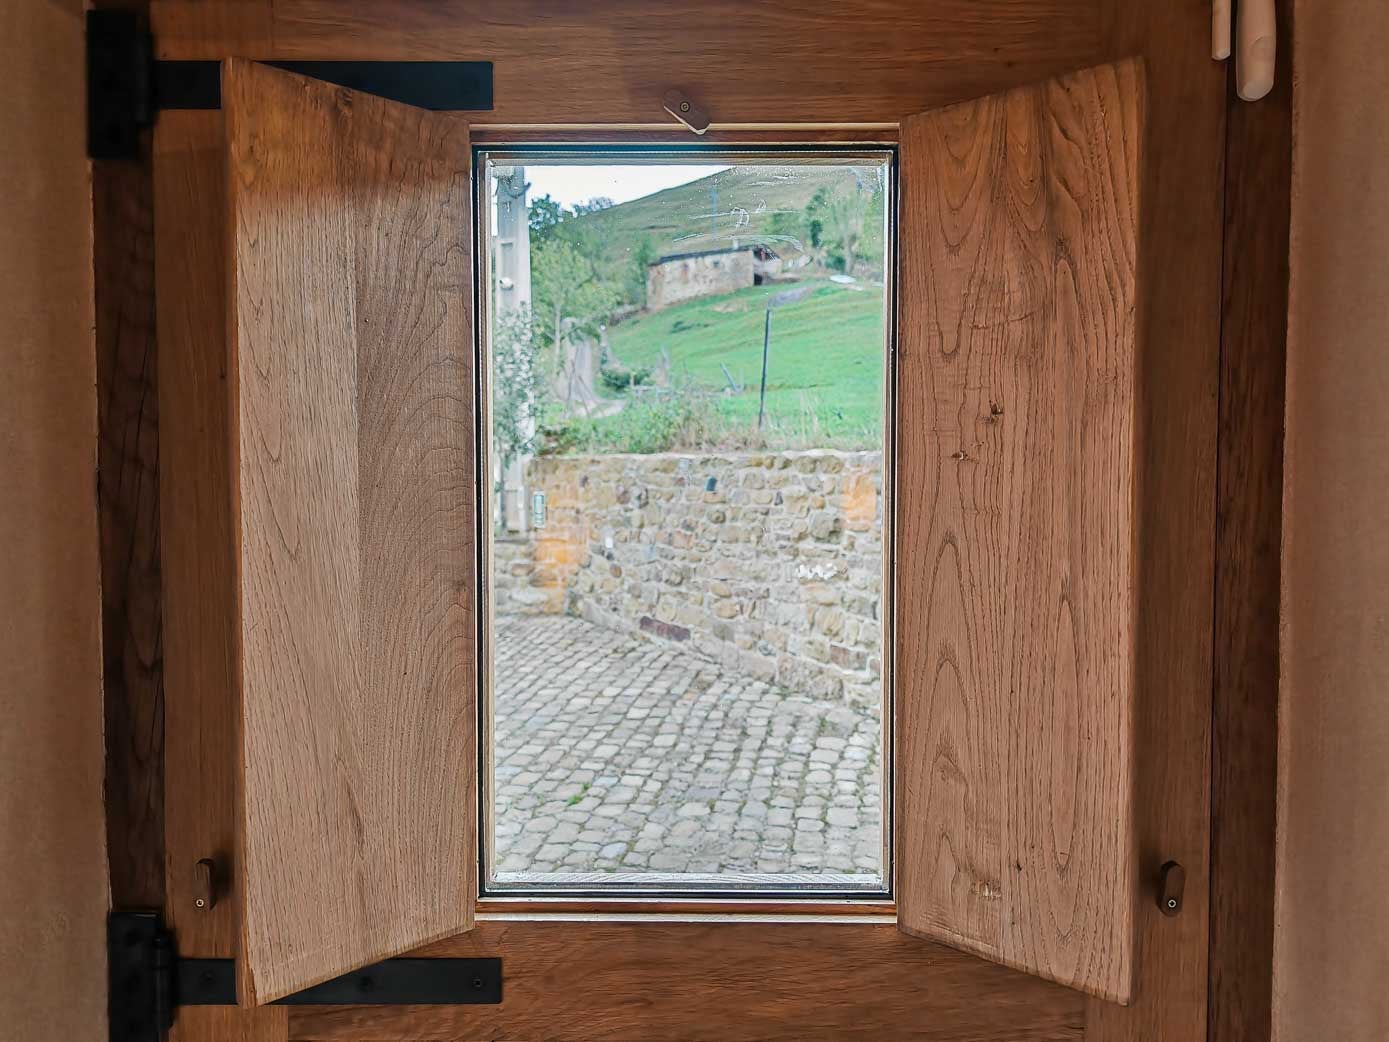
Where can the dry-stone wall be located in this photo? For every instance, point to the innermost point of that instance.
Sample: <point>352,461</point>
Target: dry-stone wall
<point>769,563</point>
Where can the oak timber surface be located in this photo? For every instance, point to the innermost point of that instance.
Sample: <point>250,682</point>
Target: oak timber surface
<point>1179,348</point>
<point>128,497</point>
<point>352,356</point>
<point>610,61</point>
<point>1015,581</point>
<point>200,716</point>
<point>1244,737</point>
<point>229,1024</point>
<point>720,982</point>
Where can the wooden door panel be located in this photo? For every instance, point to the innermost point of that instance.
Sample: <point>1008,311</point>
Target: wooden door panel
<point>1016,560</point>
<point>351,344</point>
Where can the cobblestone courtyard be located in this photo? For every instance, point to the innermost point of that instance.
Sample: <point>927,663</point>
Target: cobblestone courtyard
<point>613,754</point>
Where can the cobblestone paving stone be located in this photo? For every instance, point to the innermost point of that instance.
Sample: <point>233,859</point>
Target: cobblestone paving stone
<point>614,754</point>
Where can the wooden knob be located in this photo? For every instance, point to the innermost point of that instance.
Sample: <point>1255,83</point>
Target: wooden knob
<point>1256,48</point>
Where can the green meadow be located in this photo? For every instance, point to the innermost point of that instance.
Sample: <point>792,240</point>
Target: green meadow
<point>825,367</point>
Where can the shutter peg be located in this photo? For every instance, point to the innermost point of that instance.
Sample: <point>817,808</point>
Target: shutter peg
<point>1171,884</point>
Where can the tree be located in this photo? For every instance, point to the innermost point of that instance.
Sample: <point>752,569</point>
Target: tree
<point>788,226</point>
<point>815,219</point>
<point>517,390</point>
<point>544,215</point>
<point>597,203</point>
<point>846,214</point>
<point>564,286</point>
<point>634,292</point>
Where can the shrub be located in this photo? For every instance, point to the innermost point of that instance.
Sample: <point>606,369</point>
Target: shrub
<point>659,421</point>
<point>620,378</point>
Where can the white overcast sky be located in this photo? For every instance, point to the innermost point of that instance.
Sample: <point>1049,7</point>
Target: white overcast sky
<point>568,185</point>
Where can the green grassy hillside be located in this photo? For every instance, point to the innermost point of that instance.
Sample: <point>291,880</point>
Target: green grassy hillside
<point>737,206</point>
<point>825,375</point>
<point>825,369</point>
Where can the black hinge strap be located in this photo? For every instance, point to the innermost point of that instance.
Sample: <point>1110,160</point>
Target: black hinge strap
<point>149,982</point>
<point>127,86</point>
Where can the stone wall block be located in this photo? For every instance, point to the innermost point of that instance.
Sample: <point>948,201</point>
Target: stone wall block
<point>775,572</point>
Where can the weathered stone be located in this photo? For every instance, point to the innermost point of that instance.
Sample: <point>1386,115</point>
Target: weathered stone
<point>826,525</point>
<point>829,621</point>
<point>639,543</point>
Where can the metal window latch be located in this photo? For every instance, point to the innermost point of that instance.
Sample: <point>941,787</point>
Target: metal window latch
<point>1171,886</point>
<point>127,86</point>
<point>679,105</point>
<point>149,982</point>
<point>206,884</point>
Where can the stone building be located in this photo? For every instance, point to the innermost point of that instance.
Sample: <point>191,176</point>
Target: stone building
<point>704,273</point>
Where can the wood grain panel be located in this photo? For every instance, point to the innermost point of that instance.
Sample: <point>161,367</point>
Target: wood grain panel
<point>1244,736</point>
<point>720,982</point>
<point>610,61</point>
<point>1179,350</point>
<point>1015,584</point>
<point>230,1024</point>
<point>127,463</point>
<point>245,27</point>
<point>200,719</point>
<point>351,339</point>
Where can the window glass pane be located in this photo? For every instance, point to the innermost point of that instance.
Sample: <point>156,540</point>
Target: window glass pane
<point>687,385</point>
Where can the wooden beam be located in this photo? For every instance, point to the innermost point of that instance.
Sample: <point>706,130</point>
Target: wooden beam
<point>128,494</point>
<point>721,982</point>
<point>200,720</point>
<point>1179,342</point>
<point>611,61</point>
<point>1258,180</point>
<point>230,1024</point>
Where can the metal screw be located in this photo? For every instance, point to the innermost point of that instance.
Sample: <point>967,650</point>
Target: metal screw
<point>684,106</point>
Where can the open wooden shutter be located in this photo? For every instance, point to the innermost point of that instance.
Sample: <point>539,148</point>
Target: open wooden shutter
<point>353,477</point>
<point>1016,540</point>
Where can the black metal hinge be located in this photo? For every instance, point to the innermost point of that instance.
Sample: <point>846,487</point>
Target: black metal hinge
<point>149,982</point>
<point>127,86</point>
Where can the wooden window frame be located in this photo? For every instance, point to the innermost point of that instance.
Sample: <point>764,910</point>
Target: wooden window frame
<point>667,931</point>
<point>766,898</point>
<point>1191,140</point>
